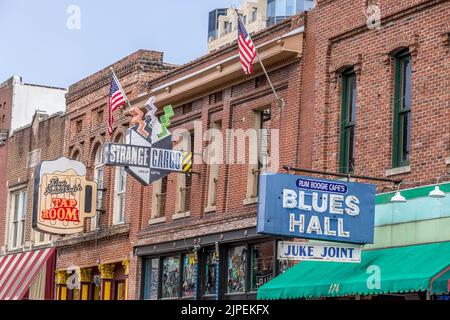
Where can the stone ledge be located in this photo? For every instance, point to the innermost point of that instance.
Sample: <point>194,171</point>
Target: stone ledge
<point>209,209</point>
<point>181,215</point>
<point>156,220</point>
<point>123,229</point>
<point>399,170</point>
<point>249,201</point>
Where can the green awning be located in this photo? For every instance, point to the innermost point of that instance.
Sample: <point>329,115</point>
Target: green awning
<point>401,269</point>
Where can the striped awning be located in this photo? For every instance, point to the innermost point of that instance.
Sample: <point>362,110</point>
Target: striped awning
<point>17,272</point>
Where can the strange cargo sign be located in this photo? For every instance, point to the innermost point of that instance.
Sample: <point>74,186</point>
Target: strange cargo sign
<point>298,251</point>
<point>147,154</point>
<point>63,198</point>
<point>310,208</point>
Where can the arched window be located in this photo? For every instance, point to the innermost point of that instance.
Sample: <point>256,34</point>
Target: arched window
<point>98,177</point>
<point>120,182</point>
<point>76,155</point>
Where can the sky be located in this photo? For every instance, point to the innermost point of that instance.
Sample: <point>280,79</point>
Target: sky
<point>47,42</point>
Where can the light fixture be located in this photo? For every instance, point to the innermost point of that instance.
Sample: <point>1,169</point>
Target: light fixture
<point>398,197</point>
<point>436,193</point>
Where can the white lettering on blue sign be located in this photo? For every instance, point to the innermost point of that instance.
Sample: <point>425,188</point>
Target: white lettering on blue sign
<point>288,250</point>
<point>319,209</point>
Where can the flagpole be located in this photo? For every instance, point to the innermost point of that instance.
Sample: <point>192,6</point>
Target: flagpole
<point>280,100</point>
<point>120,86</point>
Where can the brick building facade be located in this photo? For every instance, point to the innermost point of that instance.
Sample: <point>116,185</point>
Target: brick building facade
<point>101,254</point>
<point>339,41</point>
<point>199,220</point>
<point>42,140</point>
<point>357,100</point>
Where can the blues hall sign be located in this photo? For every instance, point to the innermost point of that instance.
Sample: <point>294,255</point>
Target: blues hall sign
<point>147,153</point>
<point>305,207</point>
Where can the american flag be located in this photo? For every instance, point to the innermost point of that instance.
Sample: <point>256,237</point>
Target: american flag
<point>247,51</point>
<point>117,99</point>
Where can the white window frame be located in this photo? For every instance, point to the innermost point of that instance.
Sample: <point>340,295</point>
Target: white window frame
<point>99,178</point>
<point>120,188</point>
<point>17,218</point>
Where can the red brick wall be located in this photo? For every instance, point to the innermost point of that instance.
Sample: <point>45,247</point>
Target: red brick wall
<point>240,99</point>
<point>5,122</point>
<point>49,138</point>
<point>84,100</point>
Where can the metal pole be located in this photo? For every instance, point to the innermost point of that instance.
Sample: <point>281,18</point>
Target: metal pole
<point>280,100</point>
<point>120,87</point>
<point>343,175</point>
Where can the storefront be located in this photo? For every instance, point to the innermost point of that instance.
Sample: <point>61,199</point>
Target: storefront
<point>103,282</point>
<point>230,265</point>
<point>409,272</point>
<point>409,260</point>
<point>27,275</point>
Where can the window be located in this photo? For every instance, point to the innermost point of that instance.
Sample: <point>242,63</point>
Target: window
<point>170,277</point>
<point>78,126</point>
<point>261,264</point>
<point>159,198</point>
<point>33,158</point>
<point>188,284</point>
<point>215,97</point>
<point>402,109</point>
<point>98,177</point>
<point>254,14</point>
<point>184,181</point>
<point>230,27</point>
<point>261,120</point>
<point>76,155</point>
<point>100,117</point>
<point>236,269</point>
<point>187,107</point>
<point>151,279</point>
<point>18,209</point>
<point>210,271</point>
<point>244,19</point>
<point>119,192</point>
<point>225,27</point>
<point>348,117</point>
<point>260,81</point>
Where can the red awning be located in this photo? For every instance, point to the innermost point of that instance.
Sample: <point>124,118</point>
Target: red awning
<point>17,272</point>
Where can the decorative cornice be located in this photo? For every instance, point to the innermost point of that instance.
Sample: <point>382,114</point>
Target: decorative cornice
<point>86,275</point>
<point>106,271</point>
<point>385,20</point>
<point>61,277</point>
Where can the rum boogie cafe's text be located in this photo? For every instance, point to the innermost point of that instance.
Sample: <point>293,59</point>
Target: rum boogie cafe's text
<point>305,207</point>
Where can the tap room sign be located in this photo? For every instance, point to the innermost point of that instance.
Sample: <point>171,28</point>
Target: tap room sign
<point>147,154</point>
<point>62,198</point>
<point>305,207</point>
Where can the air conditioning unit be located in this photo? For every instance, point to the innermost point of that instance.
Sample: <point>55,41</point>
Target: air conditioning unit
<point>3,136</point>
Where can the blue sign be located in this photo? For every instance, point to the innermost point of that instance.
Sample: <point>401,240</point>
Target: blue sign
<point>304,207</point>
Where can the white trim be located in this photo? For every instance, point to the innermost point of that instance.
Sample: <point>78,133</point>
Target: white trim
<point>248,201</point>
<point>213,66</point>
<point>156,220</point>
<point>447,161</point>
<point>181,215</point>
<point>209,209</point>
<point>399,170</point>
